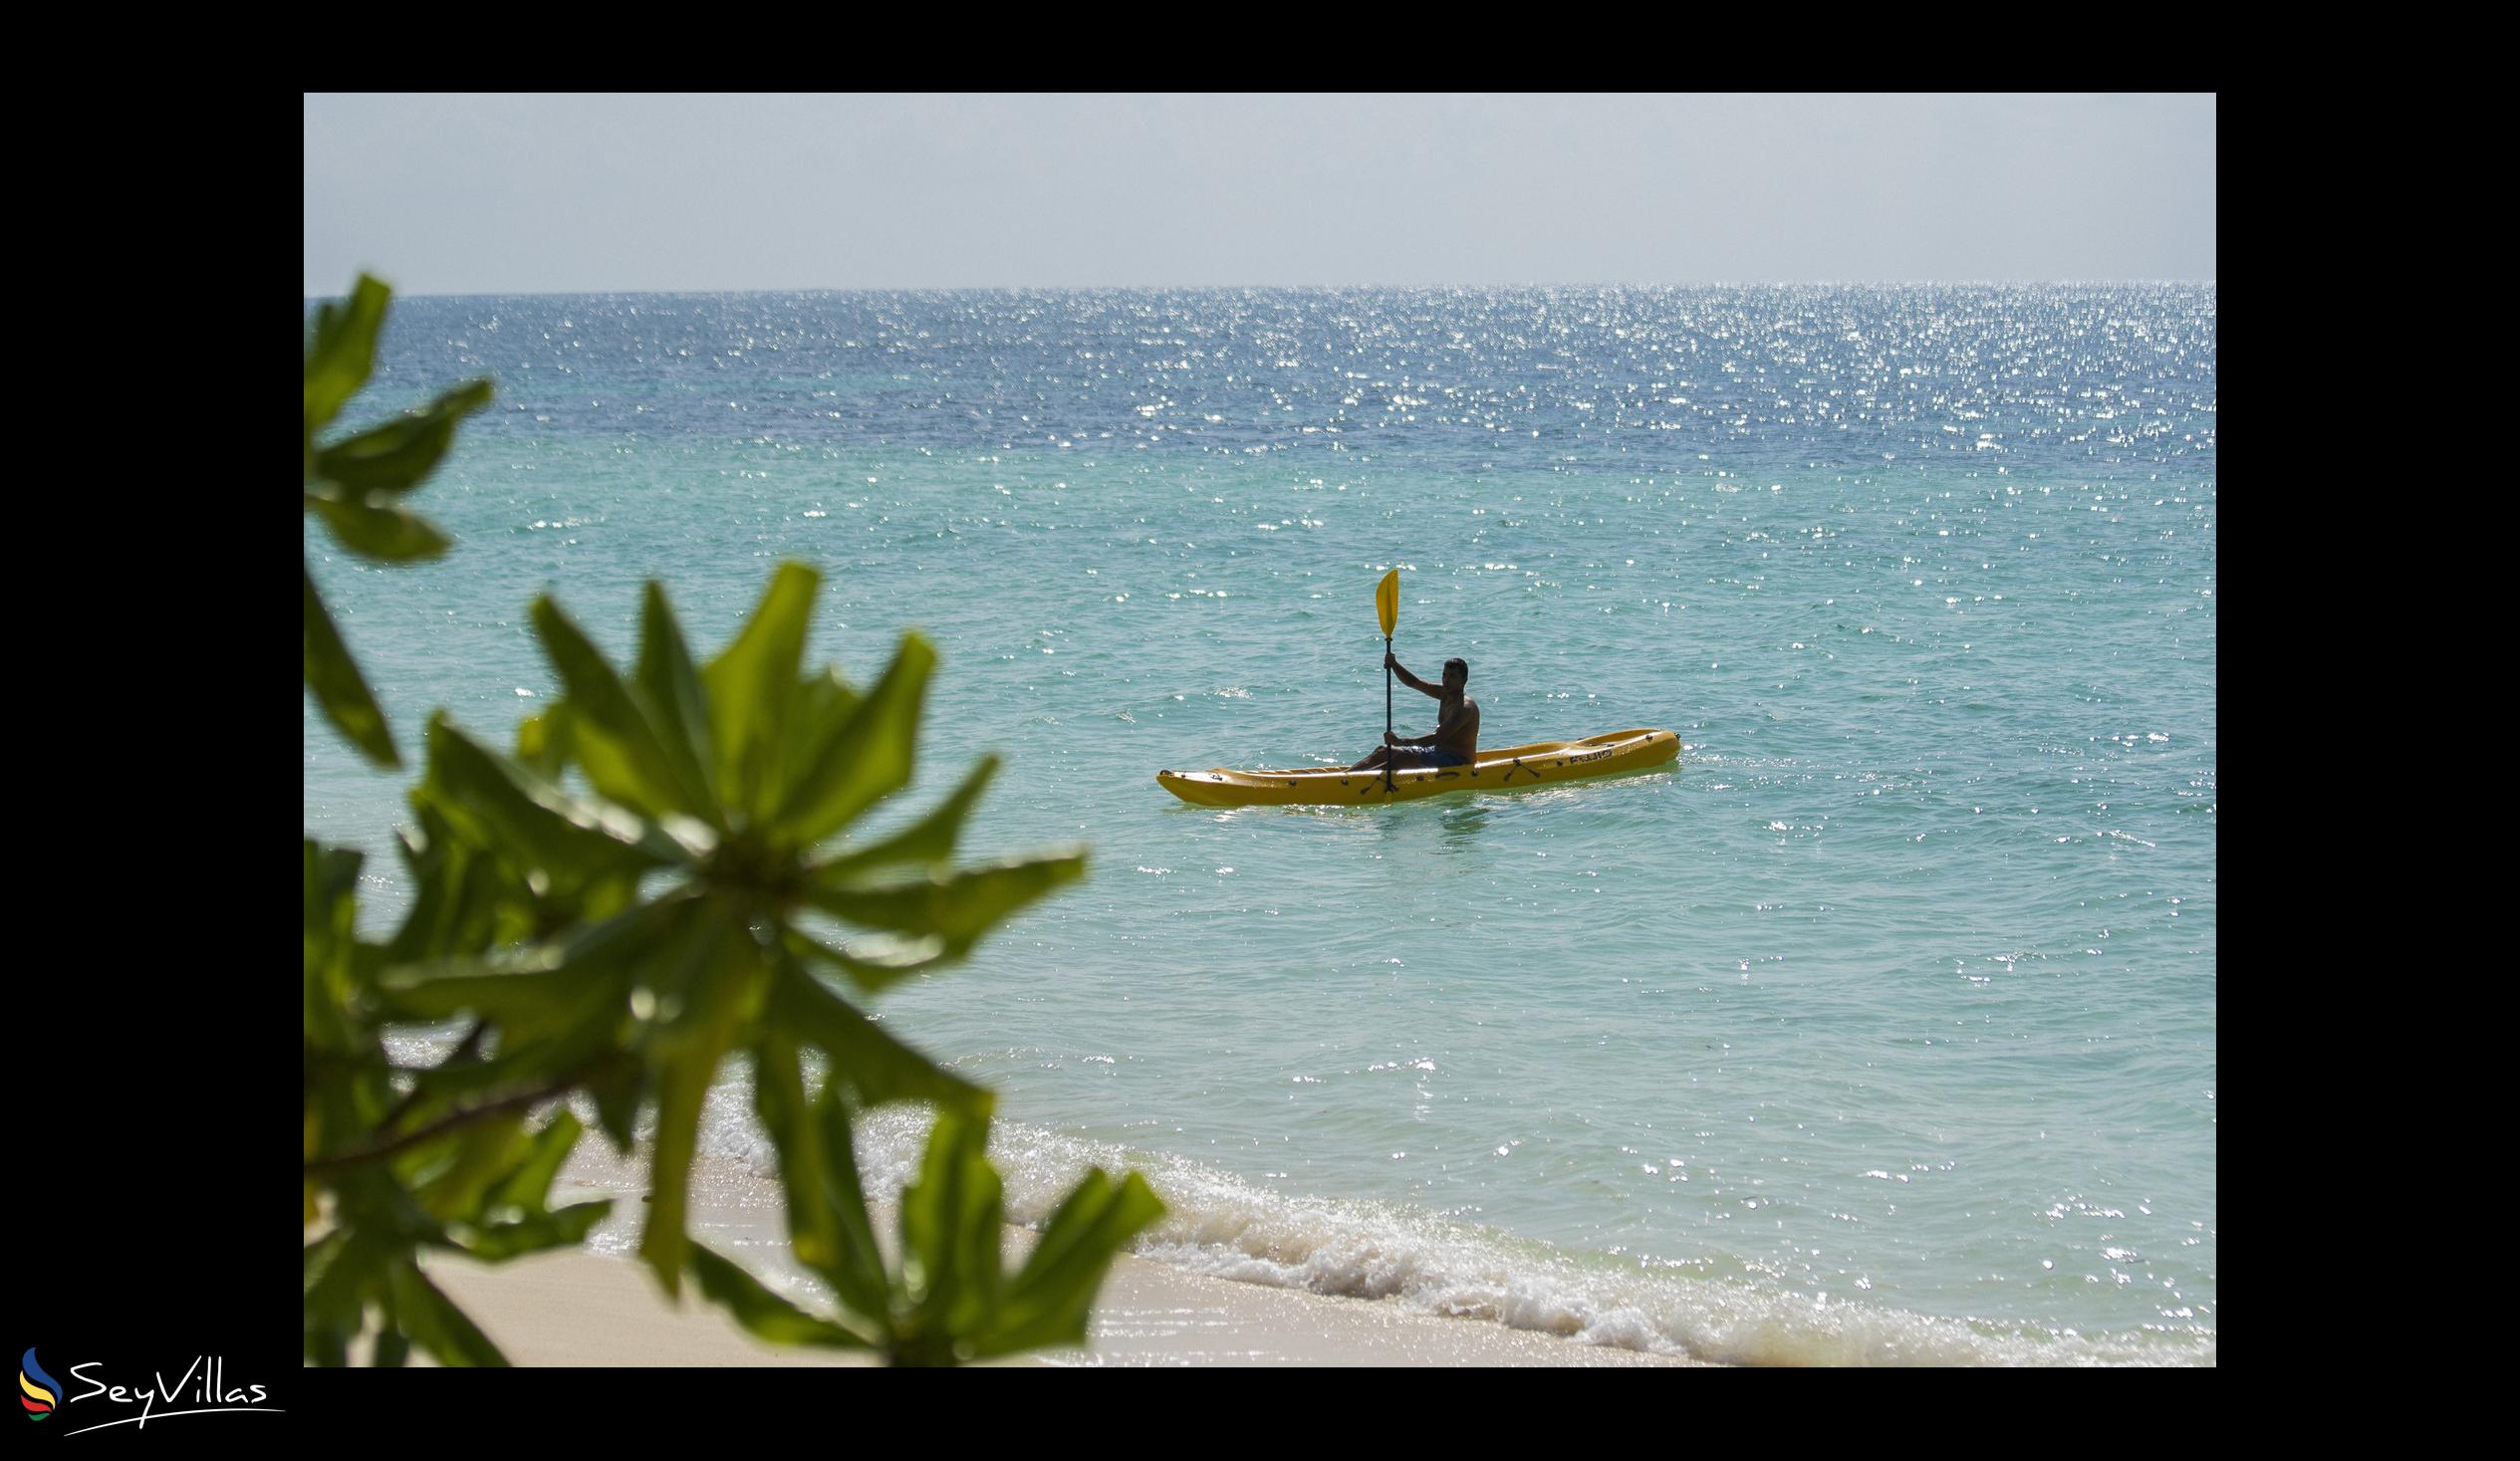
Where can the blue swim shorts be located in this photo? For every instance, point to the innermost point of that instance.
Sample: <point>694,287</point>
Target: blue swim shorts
<point>1415,758</point>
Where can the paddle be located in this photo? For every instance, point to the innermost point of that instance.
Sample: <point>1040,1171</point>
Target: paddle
<point>1386,603</point>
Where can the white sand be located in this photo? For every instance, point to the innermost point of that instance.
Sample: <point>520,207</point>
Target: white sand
<point>583,1307</point>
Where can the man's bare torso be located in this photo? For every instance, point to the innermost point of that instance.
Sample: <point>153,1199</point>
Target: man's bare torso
<point>1457,727</point>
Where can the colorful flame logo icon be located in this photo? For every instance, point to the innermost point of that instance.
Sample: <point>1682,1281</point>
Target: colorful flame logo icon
<point>39,1391</point>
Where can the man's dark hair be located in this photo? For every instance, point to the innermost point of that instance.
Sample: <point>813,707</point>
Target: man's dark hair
<point>1457,669</point>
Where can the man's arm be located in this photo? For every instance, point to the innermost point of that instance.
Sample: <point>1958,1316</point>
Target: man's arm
<point>1410,680</point>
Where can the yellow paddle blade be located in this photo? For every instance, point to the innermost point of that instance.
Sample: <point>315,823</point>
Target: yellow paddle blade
<point>1386,600</point>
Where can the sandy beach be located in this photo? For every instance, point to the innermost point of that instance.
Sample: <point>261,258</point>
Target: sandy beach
<point>581,1307</point>
<point>595,1306</point>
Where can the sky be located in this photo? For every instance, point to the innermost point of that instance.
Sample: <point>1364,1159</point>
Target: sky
<point>551,194</point>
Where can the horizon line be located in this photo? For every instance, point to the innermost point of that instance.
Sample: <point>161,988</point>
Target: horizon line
<point>401,293</point>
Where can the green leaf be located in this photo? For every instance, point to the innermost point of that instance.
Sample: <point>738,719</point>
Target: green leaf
<point>1052,1298</point>
<point>546,988</point>
<point>817,1174</point>
<point>327,1345</point>
<point>542,742</point>
<point>518,1067</point>
<point>871,973</point>
<point>864,1056</point>
<point>859,1276</point>
<point>929,841</point>
<point>779,1101</point>
<point>815,714</point>
<point>710,978</point>
<point>618,1091</point>
<point>339,689</point>
<point>343,353</point>
<point>331,893</point>
<point>462,895</point>
<point>683,1085</point>
<point>950,1230</point>
<point>389,534</point>
<point>612,734</point>
<point>527,1187</point>
<point>399,454</point>
<point>393,1348</point>
<point>764,1312</point>
<point>450,1176</point>
<point>750,686</point>
<point>682,981</point>
<point>566,1228</point>
<point>671,687</point>
<point>434,1321</point>
<point>526,1193</point>
<point>498,804</point>
<point>333,981</point>
<point>543,991</point>
<point>337,1272</point>
<point>957,909</point>
<point>868,757</point>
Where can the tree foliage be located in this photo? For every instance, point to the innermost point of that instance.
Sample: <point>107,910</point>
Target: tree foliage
<point>636,894</point>
<point>354,485</point>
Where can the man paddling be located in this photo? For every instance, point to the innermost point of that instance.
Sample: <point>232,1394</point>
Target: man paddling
<point>1455,741</point>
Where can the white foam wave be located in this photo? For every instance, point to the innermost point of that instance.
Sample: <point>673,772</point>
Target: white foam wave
<point>1221,1224</point>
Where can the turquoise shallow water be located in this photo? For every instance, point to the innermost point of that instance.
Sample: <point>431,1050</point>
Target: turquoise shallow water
<point>1882,1029</point>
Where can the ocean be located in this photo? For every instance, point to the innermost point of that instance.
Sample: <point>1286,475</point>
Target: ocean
<point>1879,1030</point>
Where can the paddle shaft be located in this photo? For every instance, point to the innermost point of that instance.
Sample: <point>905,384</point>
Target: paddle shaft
<point>1386,711</point>
<point>1387,608</point>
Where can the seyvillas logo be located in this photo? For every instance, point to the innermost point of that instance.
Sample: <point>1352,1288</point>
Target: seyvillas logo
<point>37,1391</point>
<point>203,1388</point>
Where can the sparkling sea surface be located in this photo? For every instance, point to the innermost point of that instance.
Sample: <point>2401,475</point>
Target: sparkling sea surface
<point>1881,1030</point>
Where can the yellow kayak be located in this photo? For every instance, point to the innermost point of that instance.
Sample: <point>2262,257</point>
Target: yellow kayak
<point>1543,762</point>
